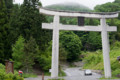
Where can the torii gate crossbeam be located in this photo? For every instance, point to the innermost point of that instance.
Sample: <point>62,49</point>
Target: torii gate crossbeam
<point>56,27</point>
<point>78,28</point>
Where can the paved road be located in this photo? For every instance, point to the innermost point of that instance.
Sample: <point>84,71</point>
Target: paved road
<point>77,74</point>
<point>72,74</point>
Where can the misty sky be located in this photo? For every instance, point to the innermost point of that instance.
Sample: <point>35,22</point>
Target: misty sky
<point>89,3</point>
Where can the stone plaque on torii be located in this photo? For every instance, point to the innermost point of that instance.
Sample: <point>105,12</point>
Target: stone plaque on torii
<point>56,27</point>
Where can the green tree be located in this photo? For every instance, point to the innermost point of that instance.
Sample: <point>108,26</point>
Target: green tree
<point>93,41</point>
<point>72,44</point>
<point>24,53</point>
<point>14,23</point>
<point>4,32</point>
<point>44,58</point>
<point>30,52</point>
<point>9,5</point>
<point>18,52</point>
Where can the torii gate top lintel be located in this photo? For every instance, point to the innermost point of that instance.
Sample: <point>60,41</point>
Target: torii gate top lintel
<point>98,15</point>
<point>102,15</point>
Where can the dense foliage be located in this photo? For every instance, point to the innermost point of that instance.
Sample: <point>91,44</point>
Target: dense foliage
<point>111,7</point>
<point>44,58</point>
<point>4,33</point>
<point>26,21</point>
<point>27,49</point>
<point>72,44</point>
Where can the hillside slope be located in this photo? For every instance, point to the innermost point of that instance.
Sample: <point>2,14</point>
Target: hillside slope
<point>94,60</point>
<point>69,7</point>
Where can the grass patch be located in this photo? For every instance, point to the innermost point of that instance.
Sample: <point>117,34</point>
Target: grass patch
<point>62,73</point>
<point>109,78</point>
<point>47,73</point>
<point>27,75</point>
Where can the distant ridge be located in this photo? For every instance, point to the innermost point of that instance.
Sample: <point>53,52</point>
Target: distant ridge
<point>69,6</point>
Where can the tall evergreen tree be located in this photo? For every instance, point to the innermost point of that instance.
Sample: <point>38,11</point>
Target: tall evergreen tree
<point>4,32</point>
<point>30,52</point>
<point>24,53</point>
<point>18,52</point>
<point>14,23</point>
<point>29,23</point>
<point>9,5</point>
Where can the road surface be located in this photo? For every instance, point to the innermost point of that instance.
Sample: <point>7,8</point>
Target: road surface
<point>77,74</point>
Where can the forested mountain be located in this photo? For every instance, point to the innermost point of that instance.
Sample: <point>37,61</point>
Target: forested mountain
<point>69,7</point>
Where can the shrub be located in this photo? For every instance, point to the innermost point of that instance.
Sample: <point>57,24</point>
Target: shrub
<point>26,75</point>
<point>116,72</point>
<point>10,76</point>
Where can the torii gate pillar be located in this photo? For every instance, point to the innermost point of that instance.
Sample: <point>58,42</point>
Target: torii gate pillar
<point>105,46</point>
<point>55,48</point>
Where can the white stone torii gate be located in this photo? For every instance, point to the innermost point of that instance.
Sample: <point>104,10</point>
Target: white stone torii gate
<point>56,26</point>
